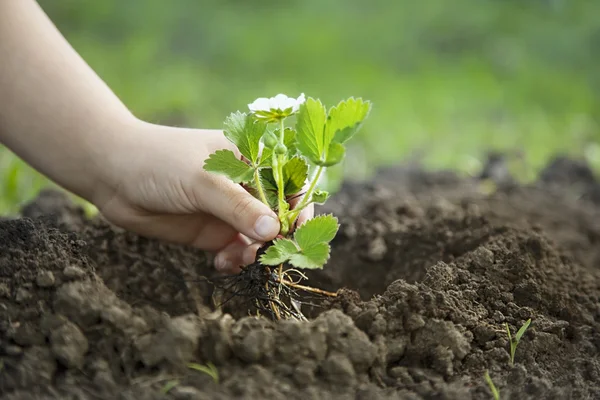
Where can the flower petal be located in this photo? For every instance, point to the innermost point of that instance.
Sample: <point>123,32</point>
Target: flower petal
<point>260,104</point>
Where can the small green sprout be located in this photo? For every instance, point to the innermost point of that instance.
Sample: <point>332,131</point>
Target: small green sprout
<point>514,342</point>
<point>277,161</point>
<point>493,388</point>
<point>169,385</point>
<point>209,369</point>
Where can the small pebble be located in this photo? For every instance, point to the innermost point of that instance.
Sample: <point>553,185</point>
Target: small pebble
<point>4,290</point>
<point>377,249</point>
<point>22,295</point>
<point>45,279</point>
<point>73,272</point>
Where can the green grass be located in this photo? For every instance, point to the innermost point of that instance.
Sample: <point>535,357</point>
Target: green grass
<point>448,80</point>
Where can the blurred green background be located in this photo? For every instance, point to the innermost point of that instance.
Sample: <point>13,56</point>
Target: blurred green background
<point>448,79</point>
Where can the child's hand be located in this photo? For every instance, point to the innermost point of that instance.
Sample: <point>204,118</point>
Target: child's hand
<point>159,189</point>
<point>61,118</point>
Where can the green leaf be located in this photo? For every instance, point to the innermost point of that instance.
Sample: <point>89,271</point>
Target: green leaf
<point>313,257</point>
<point>281,251</point>
<point>224,162</point>
<point>310,127</point>
<point>209,369</point>
<point>169,385</point>
<point>335,155</point>
<point>270,187</point>
<point>289,139</point>
<point>320,229</point>
<point>268,180</point>
<point>245,132</point>
<point>493,388</point>
<point>345,119</point>
<point>295,172</point>
<point>522,330</point>
<point>320,196</point>
<point>273,200</point>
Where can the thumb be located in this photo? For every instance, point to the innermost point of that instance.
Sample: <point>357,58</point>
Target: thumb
<point>234,205</point>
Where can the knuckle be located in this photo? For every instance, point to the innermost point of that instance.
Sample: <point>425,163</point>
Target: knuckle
<point>242,204</point>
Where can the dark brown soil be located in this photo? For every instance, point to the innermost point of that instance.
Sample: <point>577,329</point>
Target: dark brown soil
<point>432,268</point>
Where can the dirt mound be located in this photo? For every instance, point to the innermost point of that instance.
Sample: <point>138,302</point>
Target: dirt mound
<point>432,266</point>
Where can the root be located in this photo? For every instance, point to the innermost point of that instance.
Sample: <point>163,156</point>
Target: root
<point>275,293</point>
<point>308,288</point>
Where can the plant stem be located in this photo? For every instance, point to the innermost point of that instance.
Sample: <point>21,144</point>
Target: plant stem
<point>293,214</point>
<point>281,132</point>
<point>260,189</point>
<point>278,175</point>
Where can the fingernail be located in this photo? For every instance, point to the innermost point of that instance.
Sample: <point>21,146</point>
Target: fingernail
<point>222,264</point>
<point>266,227</point>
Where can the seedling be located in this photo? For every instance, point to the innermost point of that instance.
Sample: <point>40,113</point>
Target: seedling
<point>514,342</point>
<point>281,165</point>
<point>209,369</point>
<point>493,389</point>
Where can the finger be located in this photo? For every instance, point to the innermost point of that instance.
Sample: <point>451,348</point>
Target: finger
<point>306,214</point>
<point>240,252</point>
<point>213,235</point>
<point>230,258</point>
<point>199,230</point>
<point>234,205</point>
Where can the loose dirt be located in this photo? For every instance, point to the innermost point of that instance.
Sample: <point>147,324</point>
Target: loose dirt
<point>430,266</point>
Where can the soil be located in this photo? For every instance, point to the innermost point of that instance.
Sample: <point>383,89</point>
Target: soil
<point>430,266</point>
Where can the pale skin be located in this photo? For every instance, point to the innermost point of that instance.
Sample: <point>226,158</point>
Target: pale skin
<point>61,118</point>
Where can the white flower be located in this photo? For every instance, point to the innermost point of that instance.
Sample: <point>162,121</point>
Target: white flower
<point>276,107</point>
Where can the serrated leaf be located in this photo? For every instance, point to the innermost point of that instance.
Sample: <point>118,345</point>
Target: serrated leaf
<point>269,187</point>
<point>295,172</point>
<point>310,127</point>
<point>320,229</point>
<point>273,200</point>
<point>270,196</point>
<point>344,120</point>
<point>245,132</point>
<point>225,162</point>
<point>320,196</point>
<point>281,251</point>
<point>313,257</point>
<point>268,180</point>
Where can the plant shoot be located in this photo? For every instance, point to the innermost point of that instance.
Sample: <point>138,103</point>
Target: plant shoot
<point>286,144</point>
<point>492,386</point>
<point>514,342</point>
<point>277,158</point>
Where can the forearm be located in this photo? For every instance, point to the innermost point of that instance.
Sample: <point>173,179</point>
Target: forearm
<point>55,112</point>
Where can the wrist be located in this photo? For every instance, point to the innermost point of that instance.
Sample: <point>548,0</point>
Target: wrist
<point>109,162</point>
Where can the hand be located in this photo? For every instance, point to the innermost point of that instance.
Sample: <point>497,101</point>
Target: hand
<point>61,118</point>
<point>159,189</point>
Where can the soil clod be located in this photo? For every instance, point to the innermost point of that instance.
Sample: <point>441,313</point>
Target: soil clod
<point>424,274</point>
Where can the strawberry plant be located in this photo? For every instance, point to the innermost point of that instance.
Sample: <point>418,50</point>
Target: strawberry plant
<point>280,161</point>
